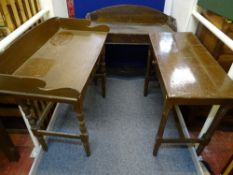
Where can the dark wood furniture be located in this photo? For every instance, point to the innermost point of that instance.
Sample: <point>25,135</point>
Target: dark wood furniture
<point>131,25</point>
<point>6,145</point>
<point>53,63</point>
<point>188,75</point>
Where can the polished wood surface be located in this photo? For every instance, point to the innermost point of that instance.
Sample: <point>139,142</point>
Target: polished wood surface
<point>187,68</point>
<point>188,75</point>
<point>219,51</point>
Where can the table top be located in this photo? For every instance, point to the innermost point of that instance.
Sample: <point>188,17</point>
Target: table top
<point>187,69</point>
<point>66,60</point>
<point>53,60</point>
<point>134,28</point>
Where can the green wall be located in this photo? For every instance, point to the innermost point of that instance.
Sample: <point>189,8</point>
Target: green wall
<point>221,7</point>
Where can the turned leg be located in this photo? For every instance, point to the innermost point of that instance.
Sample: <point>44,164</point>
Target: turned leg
<point>148,72</point>
<point>163,121</point>
<point>209,133</point>
<point>178,125</point>
<point>84,134</point>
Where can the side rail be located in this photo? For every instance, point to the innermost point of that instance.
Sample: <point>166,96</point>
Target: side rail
<point>32,88</point>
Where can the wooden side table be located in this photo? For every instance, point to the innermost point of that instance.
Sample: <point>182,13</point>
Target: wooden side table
<point>57,67</point>
<point>188,75</point>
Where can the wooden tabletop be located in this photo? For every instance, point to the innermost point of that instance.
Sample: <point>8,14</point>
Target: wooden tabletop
<point>187,69</point>
<point>134,28</point>
<point>66,60</point>
<point>53,60</point>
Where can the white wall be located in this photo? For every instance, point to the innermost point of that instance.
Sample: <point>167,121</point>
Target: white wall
<point>56,7</point>
<point>60,8</point>
<point>179,9</point>
<point>47,4</point>
<point>168,7</point>
<point>182,11</point>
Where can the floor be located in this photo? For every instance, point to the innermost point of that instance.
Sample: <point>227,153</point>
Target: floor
<point>122,129</point>
<point>219,151</point>
<point>22,167</point>
<point>216,154</point>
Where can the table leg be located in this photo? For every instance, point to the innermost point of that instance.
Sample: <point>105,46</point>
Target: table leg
<point>84,134</point>
<point>177,122</point>
<point>103,73</point>
<point>148,72</point>
<point>210,131</point>
<point>163,121</point>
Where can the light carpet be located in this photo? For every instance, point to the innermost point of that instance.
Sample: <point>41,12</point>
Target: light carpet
<point>122,129</point>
